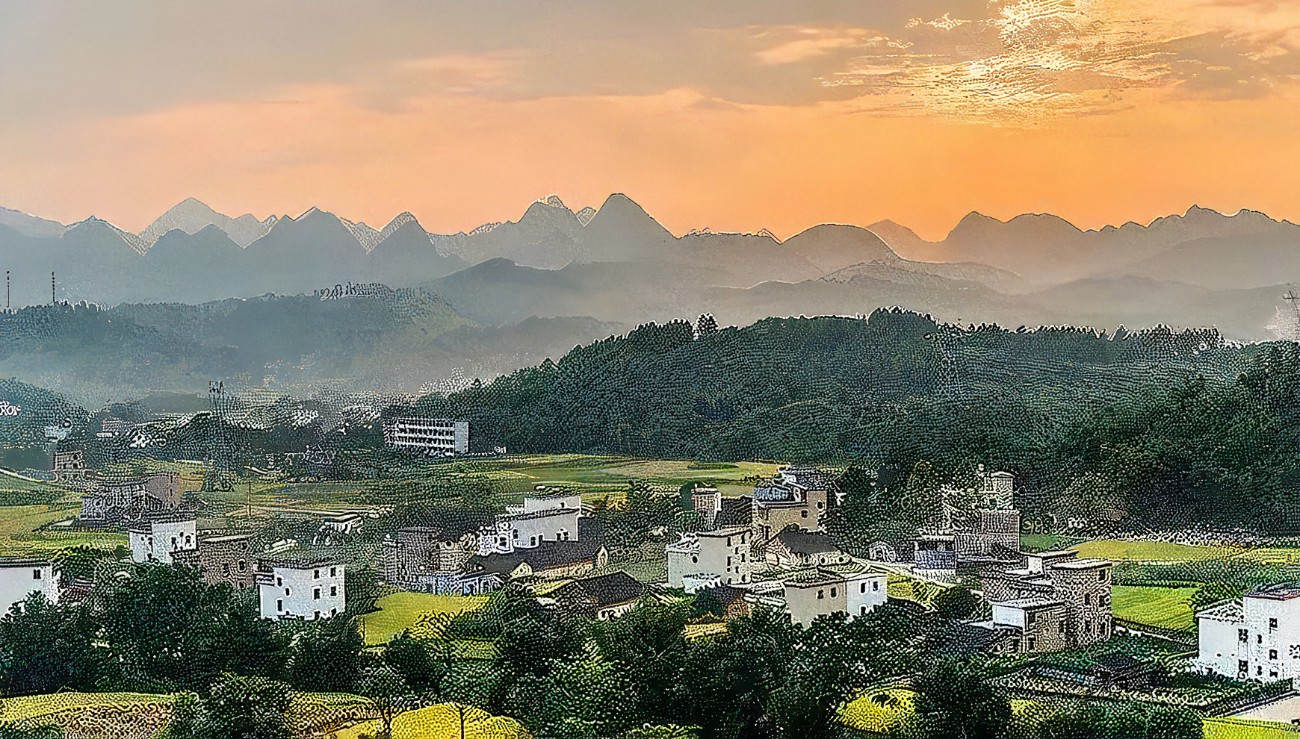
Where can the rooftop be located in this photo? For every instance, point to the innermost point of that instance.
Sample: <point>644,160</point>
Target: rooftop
<point>1281,591</point>
<point>1227,611</point>
<point>605,590</point>
<point>544,513</point>
<point>799,541</point>
<point>1083,564</point>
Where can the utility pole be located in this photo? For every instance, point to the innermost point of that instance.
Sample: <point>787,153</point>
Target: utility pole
<point>53,300</point>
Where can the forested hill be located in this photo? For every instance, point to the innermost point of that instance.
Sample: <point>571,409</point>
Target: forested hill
<point>1170,415</point>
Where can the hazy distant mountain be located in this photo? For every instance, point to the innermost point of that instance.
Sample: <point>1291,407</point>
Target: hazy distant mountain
<point>192,216</point>
<point>406,255</point>
<point>547,235</point>
<point>30,225</point>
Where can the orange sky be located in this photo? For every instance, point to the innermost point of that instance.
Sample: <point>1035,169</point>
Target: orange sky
<point>746,115</point>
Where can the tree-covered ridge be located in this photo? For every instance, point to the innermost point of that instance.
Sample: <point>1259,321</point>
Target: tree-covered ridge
<point>1168,426</point>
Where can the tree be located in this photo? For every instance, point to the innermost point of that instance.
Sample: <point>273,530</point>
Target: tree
<point>955,701</point>
<point>422,663</point>
<point>326,655</point>
<point>387,693</point>
<point>666,731</point>
<point>956,603</point>
<point>707,325</point>
<point>244,707</point>
<point>45,647</point>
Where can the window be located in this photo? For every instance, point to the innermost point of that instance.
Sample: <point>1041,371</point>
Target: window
<point>36,574</point>
<point>334,571</point>
<point>864,610</point>
<point>315,614</point>
<point>864,587</point>
<point>279,606</point>
<point>803,514</point>
<point>1272,674</point>
<point>334,611</point>
<point>278,580</point>
<point>1087,599</point>
<point>1101,576</point>
<point>1243,636</point>
<point>1259,638</point>
<point>315,575</point>
<point>821,595</point>
<point>1272,654</point>
<point>225,569</point>
<point>875,586</point>
<point>286,591</point>
<point>833,592</point>
<point>1272,624</point>
<point>1031,644</point>
<point>334,590</point>
<point>315,594</point>
<point>242,566</point>
<point>1031,618</point>
<point>728,561</point>
<point>695,559</point>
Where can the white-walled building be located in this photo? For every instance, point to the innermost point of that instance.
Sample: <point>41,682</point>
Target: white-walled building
<point>156,541</point>
<point>723,553</point>
<point>822,592</point>
<point>307,590</point>
<point>20,578</point>
<point>529,529</point>
<point>435,437</point>
<point>1254,638</point>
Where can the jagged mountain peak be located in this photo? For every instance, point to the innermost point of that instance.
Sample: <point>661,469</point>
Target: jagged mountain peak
<point>399,221</point>
<point>585,215</point>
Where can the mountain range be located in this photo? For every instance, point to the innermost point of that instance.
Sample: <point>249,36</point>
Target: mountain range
<point>578,276</point>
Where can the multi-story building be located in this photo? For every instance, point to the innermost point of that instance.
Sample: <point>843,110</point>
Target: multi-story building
<point>117,501</point>
<point>784,502</point>
<point>222,558</point>
<point>308,589</point>
<point>20,578</point>
<point>159,539</point>
<point>819,592</point>
<point>724,553</point>
<point>434,437</point>
<point>601,598</point>
<point>432,558</point>
<point>68,465</point>
<point>1053,592</point>
<point>1254,638</point>
<point>706,502</point>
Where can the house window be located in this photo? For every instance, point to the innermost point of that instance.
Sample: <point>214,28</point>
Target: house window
<point>286,591</point>
<point>1030,644</point>
<point>36,574</point>
<point>1031,618</point>
<point>278,580</point>
<point>242,566</point>
<point>315,594</point>
<point>728,561</point>
<point>1272,654</point>
<point>1272,624</point>
<point>225,568</point>
<point>334,590</point>
<point>864,588</point>
<point>315,575</point>
<point>1243,636</point>
<point>875,586</point>
<point>1087,599</point>
<point>803,514</point>
<point>821,595</point>
<point>1272,674</point>
<point>315,614</point>
<point>864,610</point>
<point>279,606</point>
<point>334,611</point>
<point>334,571</point>
<point>1101,576</point>
<point>833,591</point>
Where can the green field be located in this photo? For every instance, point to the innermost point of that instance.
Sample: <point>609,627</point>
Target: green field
<point>878,711</point>
<point>596,475</point>
<point>1152,551</point>
<point>401,611</point>
<point>21,532</point>
<point>1167,608</point>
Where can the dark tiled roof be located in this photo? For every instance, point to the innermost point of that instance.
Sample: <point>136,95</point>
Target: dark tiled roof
<point>803,542</point>
<point>452,523</point>
<point>606,590</point>
<point>548,555</point>
<point>726,594</point>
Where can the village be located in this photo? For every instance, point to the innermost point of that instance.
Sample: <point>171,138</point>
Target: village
<point>1045,614</point>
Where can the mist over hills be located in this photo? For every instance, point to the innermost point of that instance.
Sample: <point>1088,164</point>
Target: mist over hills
<point>516,292</point>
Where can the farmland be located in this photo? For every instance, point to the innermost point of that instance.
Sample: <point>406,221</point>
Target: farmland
<point>401,611</point>
<point>1167,608</point>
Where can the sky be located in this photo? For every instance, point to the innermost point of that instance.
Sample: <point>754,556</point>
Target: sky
<point>738,115</point>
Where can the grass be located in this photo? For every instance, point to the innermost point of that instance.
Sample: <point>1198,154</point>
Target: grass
<point>401,611</point>
<point>594,475</point>
<point>1234,728</point>
<point>442,721</point>
<point>1168,608</point>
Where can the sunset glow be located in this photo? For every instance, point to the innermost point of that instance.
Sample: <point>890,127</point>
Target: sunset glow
<point>742,116</point>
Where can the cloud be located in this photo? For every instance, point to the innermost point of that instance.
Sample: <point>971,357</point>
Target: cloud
<point>1034,60</point>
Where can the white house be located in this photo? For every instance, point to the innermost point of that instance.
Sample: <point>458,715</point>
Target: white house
<point>1255,638</point>
<point>529,529</point>
<point>20,578</point>
<point>822,592</point>
<point>723,553</point>
<point>155,541</point>
<point>308,590</point>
